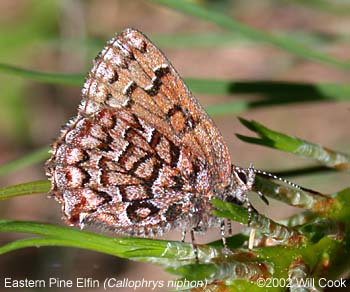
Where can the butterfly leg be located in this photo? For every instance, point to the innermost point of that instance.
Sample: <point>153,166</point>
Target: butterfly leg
<point>226,250</point>
<point>222,231</point>
<point>194,246</point>
<point>183,235</point>
<point>229,224</point>
<point>250,211</point>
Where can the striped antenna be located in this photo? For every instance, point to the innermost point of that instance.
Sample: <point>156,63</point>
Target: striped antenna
<point>267,174</point>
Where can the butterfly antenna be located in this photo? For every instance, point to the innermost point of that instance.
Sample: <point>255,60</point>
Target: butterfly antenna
<point>267,174</point>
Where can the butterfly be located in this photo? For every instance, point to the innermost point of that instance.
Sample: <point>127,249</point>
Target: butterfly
<point>142,156</point>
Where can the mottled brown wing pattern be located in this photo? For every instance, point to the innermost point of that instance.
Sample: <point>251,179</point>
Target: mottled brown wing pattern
<point>141,156</point>
<point>131,71</point>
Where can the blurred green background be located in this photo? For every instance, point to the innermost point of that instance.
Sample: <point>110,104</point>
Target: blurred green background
<point>304,42</point>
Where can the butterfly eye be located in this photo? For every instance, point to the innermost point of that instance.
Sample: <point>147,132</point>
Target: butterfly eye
<point>243,177</point>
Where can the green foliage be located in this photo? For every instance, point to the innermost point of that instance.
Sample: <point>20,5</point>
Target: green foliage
<point>276,140</point>
<point>54,78</point>
<point>317,236</point>
<point>35,187</point>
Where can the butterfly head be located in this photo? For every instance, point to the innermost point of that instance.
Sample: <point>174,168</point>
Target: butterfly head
<point>242,181</point>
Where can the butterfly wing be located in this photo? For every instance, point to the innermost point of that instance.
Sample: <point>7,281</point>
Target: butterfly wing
<point>132,72</point>
<point>142,153</point>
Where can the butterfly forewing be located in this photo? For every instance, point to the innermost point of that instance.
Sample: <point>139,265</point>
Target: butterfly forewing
<point>142,155</point>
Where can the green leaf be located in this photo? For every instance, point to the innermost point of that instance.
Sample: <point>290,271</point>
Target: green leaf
<point>122,247</point>
<point>280,141</point>
<point>169,253</point>
<point>308,200</point>
<point>27,160</point>
<point>56,78</point>
<point>265,225</point>
<point>272,92</point>
<point>238,269</point>
<point>320,228</point>
<point>36,187</point>
<point>230,211</point>
<point>235,27</point>
<point>37,242</point>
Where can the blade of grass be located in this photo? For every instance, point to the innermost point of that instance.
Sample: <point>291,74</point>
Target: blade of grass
<point>120,247</point>
<point>271,92</point>
<point>170,253</point>
<point>276,92</point>
<point>227,108</point>
<point>55,78</point>
<point>83,239</point>
<point>235,27</point>
<point>265,225</point>
<point>36,187</point>
<point>27,160</point>
<point>280,141</point>
<point>38,242</point>
<point>315,202</point>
